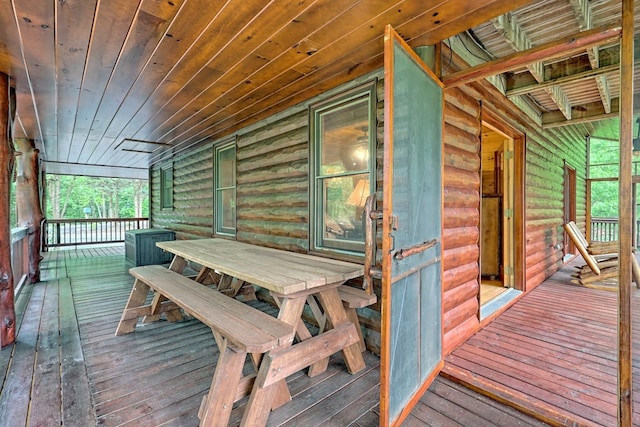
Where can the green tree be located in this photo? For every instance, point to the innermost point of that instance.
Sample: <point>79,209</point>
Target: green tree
<point>69,196</point>
<point>604,158</point>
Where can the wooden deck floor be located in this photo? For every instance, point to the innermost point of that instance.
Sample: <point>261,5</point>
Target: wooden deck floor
<point>68,368</point>
<point>552,354</point>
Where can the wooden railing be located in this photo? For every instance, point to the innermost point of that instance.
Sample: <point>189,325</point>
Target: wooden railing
<point>607,230</point>
<point>19,257</point>
<point>76,232</point>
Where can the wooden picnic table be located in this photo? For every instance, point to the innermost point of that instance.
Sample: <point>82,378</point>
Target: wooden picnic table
<point>292,279</point>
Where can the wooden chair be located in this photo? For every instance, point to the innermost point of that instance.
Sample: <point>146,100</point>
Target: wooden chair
<point>601,258</point>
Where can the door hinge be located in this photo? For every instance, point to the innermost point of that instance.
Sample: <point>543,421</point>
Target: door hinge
<point>508,213</point>
<point>508,155</point>
<point>394,222</point>
<point>508,270</point>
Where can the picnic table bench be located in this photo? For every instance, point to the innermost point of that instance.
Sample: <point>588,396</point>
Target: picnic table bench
<point>239,330</point>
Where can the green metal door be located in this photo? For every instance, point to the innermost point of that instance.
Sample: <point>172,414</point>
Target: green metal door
<point>411,354</point>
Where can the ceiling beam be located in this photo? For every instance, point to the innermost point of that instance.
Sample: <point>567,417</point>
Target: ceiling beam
<point>570,70</point>
<point>587,113</point>
<point>507,25</point>
<point>582,11</point>
<point>605,95</point>
<point>581,114</point>
<point>576,43</point>
<point>589,74</point>
<point>560,99</point>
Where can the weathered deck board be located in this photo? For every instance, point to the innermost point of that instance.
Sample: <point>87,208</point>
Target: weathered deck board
<point>553,354</point>
<point>76,399</point>
<point>45,396</point>
<point>447,403</point>
<point>19,378</point>
<point>158,375</point>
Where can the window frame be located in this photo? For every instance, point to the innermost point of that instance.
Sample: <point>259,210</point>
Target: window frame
<point>166,187</point>
<point>218,208</point>
<point>317,241</point>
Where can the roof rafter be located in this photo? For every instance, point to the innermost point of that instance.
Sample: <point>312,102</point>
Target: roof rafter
<point>507,25</point>
<point>581,114</point>
<point>566,46</point>
<point>582,11</point>
<point>588,74</point>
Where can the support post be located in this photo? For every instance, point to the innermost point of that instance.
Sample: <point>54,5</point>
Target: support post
<point>625,384</point>
<point>7,306</point>
<point>28,201</point>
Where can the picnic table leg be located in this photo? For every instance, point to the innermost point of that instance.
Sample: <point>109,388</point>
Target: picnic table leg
<point>282,395</point>
<point>302,333</point>
<point>137,298</point>
<point>223,388</point>
<point>352,315</point>
<point>178,265</point>
<point>207,276</point>
<point>261,401</point>
<point>174,315</point>
<point>333,308</point>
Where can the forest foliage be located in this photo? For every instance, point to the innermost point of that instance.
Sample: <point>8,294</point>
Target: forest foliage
<point>90,197</point>
<point>69,197</point>
<point>604,158</point>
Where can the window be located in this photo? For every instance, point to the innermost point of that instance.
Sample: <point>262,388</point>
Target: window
<point>225,189</point>
<point>342,163</point>
<point>166,187</point>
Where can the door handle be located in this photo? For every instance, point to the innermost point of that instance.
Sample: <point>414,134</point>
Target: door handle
<point>370,244</point>
<point>401,254</point>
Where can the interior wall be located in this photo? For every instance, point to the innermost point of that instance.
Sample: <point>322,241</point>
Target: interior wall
<point>491,234</point>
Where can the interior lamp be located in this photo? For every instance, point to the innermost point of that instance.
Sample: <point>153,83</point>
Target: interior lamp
<point>358,196</point>
<point>359,156</point>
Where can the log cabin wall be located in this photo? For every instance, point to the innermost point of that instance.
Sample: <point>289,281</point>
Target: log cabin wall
<point>273,184</point>
<point>545,154</point>
<point>461,216</point>
<point>192,212</point>
<point>273,195</point>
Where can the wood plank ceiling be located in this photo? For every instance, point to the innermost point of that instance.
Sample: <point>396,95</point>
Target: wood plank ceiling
<point>106,87</point>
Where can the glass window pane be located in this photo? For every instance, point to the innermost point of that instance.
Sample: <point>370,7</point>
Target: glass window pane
<point>343,136</point>
<point>166,187</point>
<point>227,210</point>
<point>343,207</point>
<point>226,167</point>
<point>344,139</point>
<point>225,189</point>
